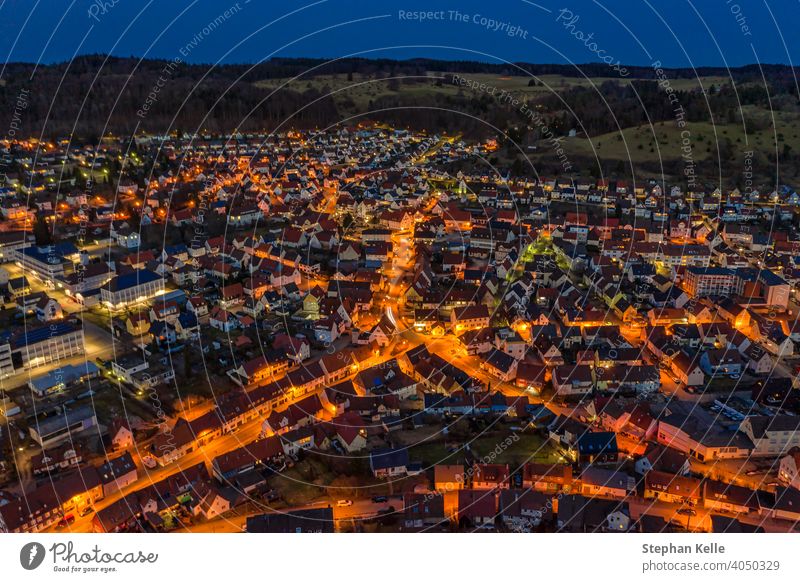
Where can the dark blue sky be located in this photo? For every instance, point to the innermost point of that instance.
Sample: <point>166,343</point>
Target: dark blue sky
<point>676,32</point>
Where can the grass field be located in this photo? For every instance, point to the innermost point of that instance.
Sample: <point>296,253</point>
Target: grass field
<point>528,448</point>
<point>664,140</point>
<point>303,483</point>
<point>358,92</point>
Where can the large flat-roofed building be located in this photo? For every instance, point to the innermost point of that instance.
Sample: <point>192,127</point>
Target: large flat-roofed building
<point>776,289</point>
<point>37,346</point>
<point>705,281</point>
<point>12,241</point>
<point>765,286</point>
<point>6,360</point>
<point>135,287</point>
<point>63,377</point>
<point>51,431</point>
<point>48,263</point>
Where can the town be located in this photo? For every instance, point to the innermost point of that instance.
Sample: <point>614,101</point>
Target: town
<point>351,331</point>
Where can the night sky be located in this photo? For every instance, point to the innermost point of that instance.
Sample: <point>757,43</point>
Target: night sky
<point>678,33</point>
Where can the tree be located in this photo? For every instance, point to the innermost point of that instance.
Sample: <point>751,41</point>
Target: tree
<point>42,232</point>
<point>187,363</point>
<point>343,487</point>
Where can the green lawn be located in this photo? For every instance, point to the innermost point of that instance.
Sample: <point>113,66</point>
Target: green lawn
<point>664,140</point>
<point>359,91</point>
<point>303,483</point>
<point>435,453</point>
<point>528,448</point>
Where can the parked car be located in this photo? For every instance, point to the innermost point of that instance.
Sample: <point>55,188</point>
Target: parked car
<point>86,511</point>
<point>380,499</point>
<point>68,519</point>
<point>344,503</point>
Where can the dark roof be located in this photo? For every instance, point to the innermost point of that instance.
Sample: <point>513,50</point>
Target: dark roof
<point>115,468</point>
<point>300,521</point>
<point>597,442</point>
<point>132,279</point>
<point>388,458</point>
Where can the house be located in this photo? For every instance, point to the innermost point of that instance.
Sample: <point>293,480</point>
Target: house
<point>719,496</point>
<point>468,318</point>
<point>382,333</point>
<point>490,476</point>
<point>423,511</point>
<point>448,477</point>
<point>298,521</point>
<point>47,309</point>
<point>722,362</point>
<point>688,369</point>
<point>530,377</point>
<point>597,482</point>
<point>64,457</point>
<point>388,462</point>
<point>663,459</point>
<point>500,365</point>
<point>223,320</point>
<point>260,369</point>
<point>297,349</point>
<point>597,447</point>
<point>477,508</point>
<point>522,510</point>
<point>580,514</point>
<point>138,324</point>
<point>118,473</point>
<point>671,488</point>
<point>552,479</point>
<point>247,458</point>
<point>787,504</point>
<point>772,436</point>
<point>298,439</point>
<point>210,501</point>
<point>166,311</point>
<point>789,469</point>
<point>120,433</point>
<point>759,361</point>
<point>45,505</point>
<point>351,433</point>
<point>570,381</point>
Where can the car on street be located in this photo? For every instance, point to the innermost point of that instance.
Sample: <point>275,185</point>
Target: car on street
<point>68,519</point>
<point>344,503</point>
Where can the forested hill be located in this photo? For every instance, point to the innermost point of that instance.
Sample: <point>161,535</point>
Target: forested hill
<point>93,95</point>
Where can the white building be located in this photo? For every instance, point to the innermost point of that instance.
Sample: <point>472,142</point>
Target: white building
<point>135,287</point>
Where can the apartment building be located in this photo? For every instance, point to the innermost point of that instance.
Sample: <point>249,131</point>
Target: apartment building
<point>705,281</point>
